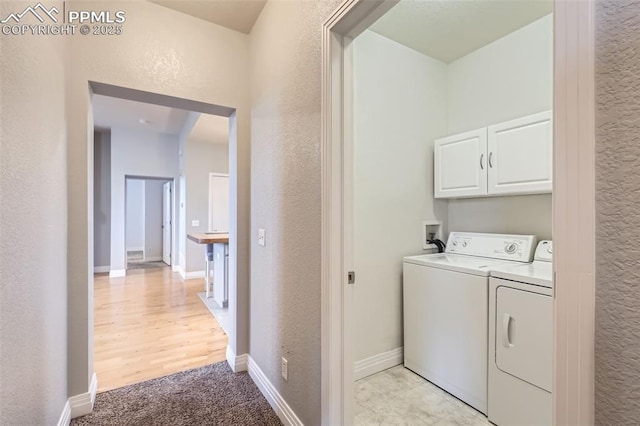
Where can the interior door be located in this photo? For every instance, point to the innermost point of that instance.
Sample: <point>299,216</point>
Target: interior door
<point>461,165</point>
<point>166,223</point>
<point>218,202</point>
<point>521,155</point>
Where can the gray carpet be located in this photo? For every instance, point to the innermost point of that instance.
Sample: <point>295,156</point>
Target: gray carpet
<point>211,395</point>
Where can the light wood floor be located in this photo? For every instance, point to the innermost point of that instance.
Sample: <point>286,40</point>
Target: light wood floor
<point>150,324</point>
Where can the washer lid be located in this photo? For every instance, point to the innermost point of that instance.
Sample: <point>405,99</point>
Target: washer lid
<point>536,273</point>
<point>459,263</point>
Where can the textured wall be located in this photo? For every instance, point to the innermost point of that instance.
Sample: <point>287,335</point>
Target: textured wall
<point>285,198</point>
<point>399,96</point>
<point>33,228</point>
<point>160,51</point>
<point>617,345</point>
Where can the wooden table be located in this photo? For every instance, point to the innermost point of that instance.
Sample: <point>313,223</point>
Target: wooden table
<point>211,239</point>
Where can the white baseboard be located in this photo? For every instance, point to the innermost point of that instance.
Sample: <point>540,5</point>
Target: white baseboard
<point>117,273</point>
<point>153,258</point>
<point>101,269</point>
<point>83,404</point>
<point>378,363</point>
<point>277,402</point>
<point>193,275</point>
<point>65,417</point>
<point>237,363</point>
<point>180,270</point>
<point>135,249</point>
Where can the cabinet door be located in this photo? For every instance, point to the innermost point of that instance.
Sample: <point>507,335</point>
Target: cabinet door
<point>460,165</point>
<point>521,155</point>
<point>218,202</point>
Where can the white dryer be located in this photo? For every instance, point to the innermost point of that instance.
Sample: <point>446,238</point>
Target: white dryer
<point>446,299</point>
<point>521,341</point>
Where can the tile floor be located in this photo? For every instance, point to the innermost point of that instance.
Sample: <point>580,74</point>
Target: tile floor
<point>399,397</point>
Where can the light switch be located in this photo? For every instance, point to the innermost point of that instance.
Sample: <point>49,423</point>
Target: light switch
<point>195,223</point>
<point>262,239</point>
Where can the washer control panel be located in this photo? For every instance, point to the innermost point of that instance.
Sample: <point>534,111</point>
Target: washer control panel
<point>518,248</point>
<point>544,251</point>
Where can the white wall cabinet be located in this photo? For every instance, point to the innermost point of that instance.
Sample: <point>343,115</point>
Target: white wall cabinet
<point>510,158</point>
<point>460,165</point>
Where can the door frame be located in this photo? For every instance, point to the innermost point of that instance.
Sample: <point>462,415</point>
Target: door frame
<point>171,208</point>
<point>573,208</point>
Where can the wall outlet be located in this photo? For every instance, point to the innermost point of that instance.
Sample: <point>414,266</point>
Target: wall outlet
<point>195,223</point>
<point>285,369</point>
<point>262,239</point>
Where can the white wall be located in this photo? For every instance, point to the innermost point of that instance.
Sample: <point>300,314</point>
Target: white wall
<point>193,60</point>
<point>509,78</point>
<point>102,200</point>
<point>134,214</point>
<point>399,101</point>
<point>135,153</point>
<point>202,158</point>
<point>33,228</point>
<point>285,198</point>
<point>153,211</point>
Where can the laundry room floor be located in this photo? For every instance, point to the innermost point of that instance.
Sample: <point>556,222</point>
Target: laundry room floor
<point>398,396</point>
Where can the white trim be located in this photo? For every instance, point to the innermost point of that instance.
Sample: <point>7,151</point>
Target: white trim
<point>117,273</point>
<point>193,275</point>
<point>237,363</point>
<point>180,270</point>
<point>65,417</point>
<point>351,17</point>
<point>101,269</point>
<point>135,249</point>
<point>83,404</point>
<point>574,212</point>
<point>153,259</point>
<point>277,402</point>
<point>377,363</point>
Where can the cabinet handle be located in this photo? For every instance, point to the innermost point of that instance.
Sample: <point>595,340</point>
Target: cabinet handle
<point>481,158</point>
<point>490,157</point>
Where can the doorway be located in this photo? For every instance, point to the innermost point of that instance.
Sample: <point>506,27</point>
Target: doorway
<point>339,31</point>
<point>148,230</point>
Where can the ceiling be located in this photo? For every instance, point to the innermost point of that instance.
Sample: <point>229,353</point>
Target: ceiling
<point>450,29</point>
<point>239,15</point>
<point>211,128</point>
<point>109,112</point>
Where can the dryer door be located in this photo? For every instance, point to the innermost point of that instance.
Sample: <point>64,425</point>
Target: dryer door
<point>524,335</point>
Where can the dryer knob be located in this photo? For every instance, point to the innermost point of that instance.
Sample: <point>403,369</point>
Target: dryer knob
<point>511,248</point>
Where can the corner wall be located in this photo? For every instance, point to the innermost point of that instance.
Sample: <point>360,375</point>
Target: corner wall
<point>285,198</point>
<point>400,98</point>
<point>33,228</point>
<point>617,322</point>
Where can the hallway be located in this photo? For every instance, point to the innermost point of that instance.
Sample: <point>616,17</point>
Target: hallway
<point>150,324</point>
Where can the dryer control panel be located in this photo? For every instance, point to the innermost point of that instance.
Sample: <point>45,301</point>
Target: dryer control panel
<point>517,248</point>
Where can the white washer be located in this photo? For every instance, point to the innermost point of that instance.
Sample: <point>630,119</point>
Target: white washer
<point>521,341</point>
<point>446,310</point>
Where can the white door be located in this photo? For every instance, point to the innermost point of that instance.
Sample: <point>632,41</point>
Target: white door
<point>521,155</point>
<point>461,165</point>
<point>524,335</point>
<point>166,223</point>
<point>218,202</point>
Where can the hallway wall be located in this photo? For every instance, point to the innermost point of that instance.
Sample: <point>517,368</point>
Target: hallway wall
<point>33,229</point>
<point>285,198</point>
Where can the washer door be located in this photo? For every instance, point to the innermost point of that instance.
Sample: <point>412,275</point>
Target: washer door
<point>524,335</point>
